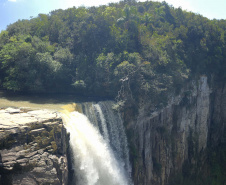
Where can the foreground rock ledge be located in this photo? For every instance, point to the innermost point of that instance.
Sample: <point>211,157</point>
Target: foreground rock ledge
<point>33,146</point>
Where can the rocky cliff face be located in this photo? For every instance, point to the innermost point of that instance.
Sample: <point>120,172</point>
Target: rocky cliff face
<point>32,148</point>
<point>33,143</point>
<point>168,139</point>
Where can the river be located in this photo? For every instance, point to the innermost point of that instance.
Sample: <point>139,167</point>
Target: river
<point>39,101</point>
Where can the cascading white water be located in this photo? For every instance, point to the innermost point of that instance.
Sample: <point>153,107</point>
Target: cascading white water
<point>94,160</point>
<point>117,135</point>
<point>103,122</point>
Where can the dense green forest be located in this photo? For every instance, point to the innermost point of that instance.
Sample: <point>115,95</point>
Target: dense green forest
<point>131,51</point>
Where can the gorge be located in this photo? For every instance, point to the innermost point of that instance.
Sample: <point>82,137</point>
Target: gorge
<point>162,144</point>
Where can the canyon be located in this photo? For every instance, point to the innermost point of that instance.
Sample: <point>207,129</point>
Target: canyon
<point>162,143</point>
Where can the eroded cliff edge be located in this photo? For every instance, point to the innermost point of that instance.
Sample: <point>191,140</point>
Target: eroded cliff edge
<point>32,148</point>
<point>176,139</point>
<point>163,144</point>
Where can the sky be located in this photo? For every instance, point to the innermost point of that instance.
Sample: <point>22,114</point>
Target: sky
<point>12,10</point>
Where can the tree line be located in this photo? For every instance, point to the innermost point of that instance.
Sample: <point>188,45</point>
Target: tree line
<point>131,51</point>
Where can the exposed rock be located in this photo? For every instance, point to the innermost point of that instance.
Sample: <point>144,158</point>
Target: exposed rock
<point>33,148</point>
<point>33,143</point>
<point>37,131</point>
<point>166,139</point>
<point>12,110</point>
<point>25,119</point>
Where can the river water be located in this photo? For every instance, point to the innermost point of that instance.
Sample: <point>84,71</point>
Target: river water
<point>38,101</point>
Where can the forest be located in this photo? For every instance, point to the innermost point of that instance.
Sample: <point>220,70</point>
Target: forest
<point>131,51</point>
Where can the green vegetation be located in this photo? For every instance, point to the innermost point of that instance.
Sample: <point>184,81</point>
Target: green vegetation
<point>47,139</point>
<point>131,51</point>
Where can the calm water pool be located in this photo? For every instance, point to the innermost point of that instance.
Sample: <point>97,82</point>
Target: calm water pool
<point>36,101</point>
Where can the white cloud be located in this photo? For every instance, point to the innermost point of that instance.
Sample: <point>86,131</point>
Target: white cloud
<point>12,0</point>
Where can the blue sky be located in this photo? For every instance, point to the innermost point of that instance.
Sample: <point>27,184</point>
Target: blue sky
<point>12,10</point>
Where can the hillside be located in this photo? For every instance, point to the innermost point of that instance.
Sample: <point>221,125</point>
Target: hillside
<point>130,50</point>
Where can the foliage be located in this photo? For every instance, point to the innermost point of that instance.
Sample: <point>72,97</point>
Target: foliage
<point>133,51</point>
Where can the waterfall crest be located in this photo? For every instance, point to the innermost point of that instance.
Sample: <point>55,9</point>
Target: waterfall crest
<point>98,145</point>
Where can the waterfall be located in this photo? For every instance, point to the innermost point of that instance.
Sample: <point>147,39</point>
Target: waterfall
<point>103,122</point>
<point>98,145</point>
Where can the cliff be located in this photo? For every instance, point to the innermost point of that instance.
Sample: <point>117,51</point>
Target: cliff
<point>166,142</point>
<point>32,148</point>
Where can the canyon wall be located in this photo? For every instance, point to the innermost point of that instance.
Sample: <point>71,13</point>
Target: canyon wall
<point>165,141</point>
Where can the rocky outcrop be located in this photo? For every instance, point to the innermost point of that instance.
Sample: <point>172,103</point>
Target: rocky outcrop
<point>165,140</point>
<point>32,147</point>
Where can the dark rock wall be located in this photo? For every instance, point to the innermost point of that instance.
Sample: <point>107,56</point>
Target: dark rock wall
<point>33,149</point>
<point>179,134</point>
